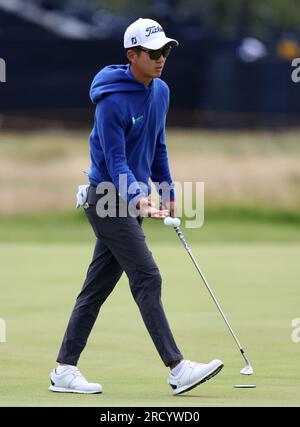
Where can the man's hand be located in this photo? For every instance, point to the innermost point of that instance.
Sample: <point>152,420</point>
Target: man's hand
<point>172,208</point>
<point>147,208</point>
<point>170,205</point>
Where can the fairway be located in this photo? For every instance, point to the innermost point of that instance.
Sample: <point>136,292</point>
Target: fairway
<point>248,248</point>
<point>256,284</point>
<point>185,124</point>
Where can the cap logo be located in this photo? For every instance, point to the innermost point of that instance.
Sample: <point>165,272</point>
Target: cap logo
<point>152,30</point>
<point>133,40</point>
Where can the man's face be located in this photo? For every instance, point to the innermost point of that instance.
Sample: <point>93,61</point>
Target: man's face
<point>149,68</point>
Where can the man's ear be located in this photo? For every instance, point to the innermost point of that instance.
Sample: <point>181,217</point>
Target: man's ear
<point>131,55</point>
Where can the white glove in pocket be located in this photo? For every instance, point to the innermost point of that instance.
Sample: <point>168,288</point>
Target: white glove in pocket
<point>81,196</point>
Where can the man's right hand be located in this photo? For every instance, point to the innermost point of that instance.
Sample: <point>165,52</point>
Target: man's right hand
<point>147,209</point>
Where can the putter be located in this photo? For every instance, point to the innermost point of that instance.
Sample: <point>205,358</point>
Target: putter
<point>175,223</point>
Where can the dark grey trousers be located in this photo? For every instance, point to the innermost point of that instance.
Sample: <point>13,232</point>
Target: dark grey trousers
<point>120,246</point>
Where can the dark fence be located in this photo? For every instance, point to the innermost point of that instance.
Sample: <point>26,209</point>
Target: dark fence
<point>49,78</point>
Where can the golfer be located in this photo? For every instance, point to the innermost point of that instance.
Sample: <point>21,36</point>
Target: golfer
<point>127,148</point>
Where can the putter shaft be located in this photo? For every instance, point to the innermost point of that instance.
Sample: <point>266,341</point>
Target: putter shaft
<point>186,246</point>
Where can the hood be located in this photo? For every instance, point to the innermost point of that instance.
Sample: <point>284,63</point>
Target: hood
<point>112,79</point>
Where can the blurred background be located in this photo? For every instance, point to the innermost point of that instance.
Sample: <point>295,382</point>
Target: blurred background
<point>234,111</point>
<point>232,68</point>
<point>233,124</point>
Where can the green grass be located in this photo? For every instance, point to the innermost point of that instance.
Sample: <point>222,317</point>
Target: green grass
<point>249,249</point>
<point>220,225</point>
<point>257,285</point>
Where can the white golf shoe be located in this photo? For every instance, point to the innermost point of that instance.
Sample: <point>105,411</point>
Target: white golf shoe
<point>71,380</point>
<point>192,374</point>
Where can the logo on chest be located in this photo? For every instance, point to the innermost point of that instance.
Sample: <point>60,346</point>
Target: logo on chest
<point>137,119</point>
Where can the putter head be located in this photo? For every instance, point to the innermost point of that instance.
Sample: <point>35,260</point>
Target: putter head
<point>247,370</point>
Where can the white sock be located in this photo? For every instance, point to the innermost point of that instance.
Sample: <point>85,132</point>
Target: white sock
<point>61,368</point>
<point>175,371</point>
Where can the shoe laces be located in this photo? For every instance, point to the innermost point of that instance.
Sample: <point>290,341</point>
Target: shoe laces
<point>194,364</point>
<point>76,373</point>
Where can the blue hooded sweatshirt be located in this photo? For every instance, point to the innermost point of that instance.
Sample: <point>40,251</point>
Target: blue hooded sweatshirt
<point>128,136</point>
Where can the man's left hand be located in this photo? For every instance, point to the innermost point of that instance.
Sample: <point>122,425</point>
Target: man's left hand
<point>171,206</point>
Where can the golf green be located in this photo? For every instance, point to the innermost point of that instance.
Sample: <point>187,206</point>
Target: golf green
<point>255,283</point>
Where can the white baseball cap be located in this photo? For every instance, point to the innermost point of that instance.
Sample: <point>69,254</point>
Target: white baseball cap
<point>146,33</point>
